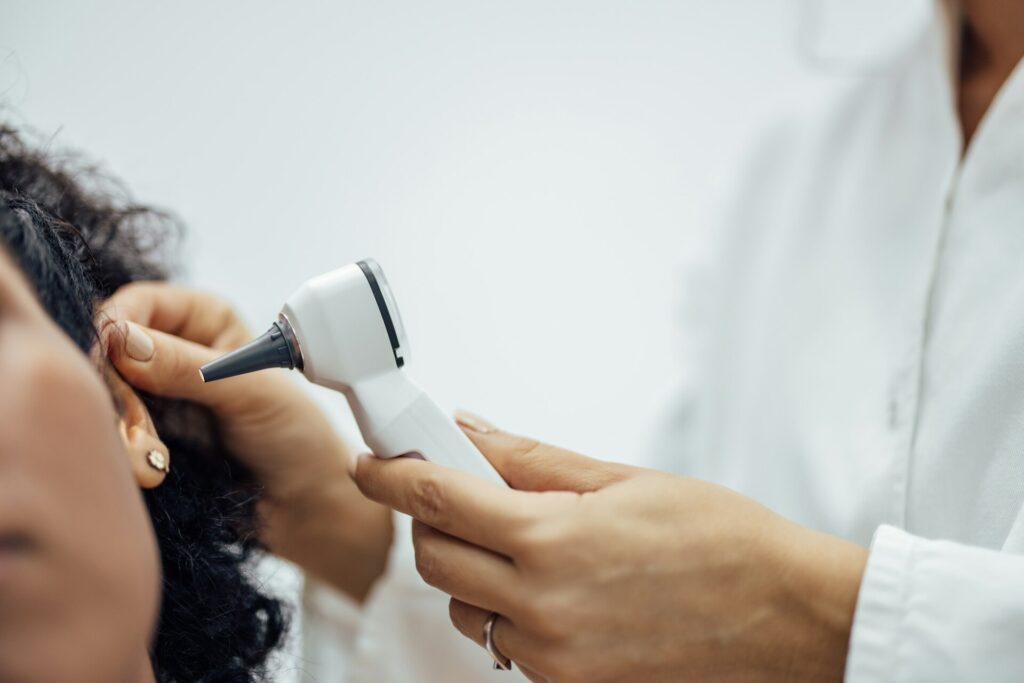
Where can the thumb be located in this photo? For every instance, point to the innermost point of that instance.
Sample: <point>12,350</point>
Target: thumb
<point>160,363</point>
<point>529,465</point>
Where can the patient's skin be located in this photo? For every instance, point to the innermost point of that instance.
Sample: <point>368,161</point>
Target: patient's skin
<point>79,577</point>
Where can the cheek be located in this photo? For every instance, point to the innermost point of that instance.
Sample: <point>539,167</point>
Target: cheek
<point>84,606</point>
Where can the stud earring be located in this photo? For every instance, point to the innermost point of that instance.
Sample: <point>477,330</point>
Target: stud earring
<point>158,461</point>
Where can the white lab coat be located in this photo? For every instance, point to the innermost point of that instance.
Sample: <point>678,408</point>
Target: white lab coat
<point>855,356</point>
<point>860,362</point>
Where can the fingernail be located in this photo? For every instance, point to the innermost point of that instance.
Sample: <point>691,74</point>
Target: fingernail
<point>473,423</point>
<point>137,343</point>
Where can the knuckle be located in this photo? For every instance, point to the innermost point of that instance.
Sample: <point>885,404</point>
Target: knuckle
<point>155,376</point>
<point>160,377</point>
<point>222,315</point>
<point>535,614</point>
<point>226,316</point>
<point>180,366</point>
<point>554,615</point>
<point>551,630</point>
<point>429,564</point>
<point>528,449</point>
<point>129,290</point>
<point>542,543</point>
<point>427,501</point>
<point>521,531</point>
<point>131,297</point>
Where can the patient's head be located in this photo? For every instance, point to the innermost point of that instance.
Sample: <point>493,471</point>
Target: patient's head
<point>92,588</point>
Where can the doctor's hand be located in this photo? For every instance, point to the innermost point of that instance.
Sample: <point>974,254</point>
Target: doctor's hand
<point>603,572</point>
<point>157,335</point>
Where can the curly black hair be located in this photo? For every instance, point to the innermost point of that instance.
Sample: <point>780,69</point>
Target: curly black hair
<point>78,237</point>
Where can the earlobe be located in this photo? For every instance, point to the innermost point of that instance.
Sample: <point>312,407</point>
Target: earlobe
<point>148,455</point>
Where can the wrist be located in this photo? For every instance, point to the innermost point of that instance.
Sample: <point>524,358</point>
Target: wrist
<point>822,576</point>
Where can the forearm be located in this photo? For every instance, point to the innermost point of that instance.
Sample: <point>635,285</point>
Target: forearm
<point>332,532</point>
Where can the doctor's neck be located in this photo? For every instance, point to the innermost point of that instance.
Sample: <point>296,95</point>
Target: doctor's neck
<point>991,45</point>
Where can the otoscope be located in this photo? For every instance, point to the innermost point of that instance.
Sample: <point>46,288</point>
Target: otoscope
<point>342,330</point>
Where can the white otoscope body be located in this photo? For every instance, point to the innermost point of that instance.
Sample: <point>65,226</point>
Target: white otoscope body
<point>342,330</point>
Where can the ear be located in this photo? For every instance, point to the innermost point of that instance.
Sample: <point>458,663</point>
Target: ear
<point>149,457</point>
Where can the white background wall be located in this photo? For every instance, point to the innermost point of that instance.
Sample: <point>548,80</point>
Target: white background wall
<point>532,175</point>
<point>529,173</point>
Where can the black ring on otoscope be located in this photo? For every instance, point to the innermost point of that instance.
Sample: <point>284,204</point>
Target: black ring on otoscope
<point>383,308</point>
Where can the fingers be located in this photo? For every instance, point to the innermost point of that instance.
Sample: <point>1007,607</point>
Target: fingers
<point>196,316</point>
<point>530,465</point>
<point>459,504</point>
<point>467,572</point>
<point>510,641</point>
<point>161,363</point>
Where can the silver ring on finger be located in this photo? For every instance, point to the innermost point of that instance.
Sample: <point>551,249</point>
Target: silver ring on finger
<point>501,662</point>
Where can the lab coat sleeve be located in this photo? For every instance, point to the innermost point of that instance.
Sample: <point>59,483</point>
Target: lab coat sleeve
<point>936,611</point>
<point>331,623</point>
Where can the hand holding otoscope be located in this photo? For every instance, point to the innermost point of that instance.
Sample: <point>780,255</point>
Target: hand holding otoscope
<point>311,511</point>
<point>342,330</point>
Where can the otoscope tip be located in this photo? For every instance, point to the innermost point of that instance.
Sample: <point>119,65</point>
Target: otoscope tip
<point>270,350</point>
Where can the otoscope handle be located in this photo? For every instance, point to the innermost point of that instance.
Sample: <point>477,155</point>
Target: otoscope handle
<point>424,428</point>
